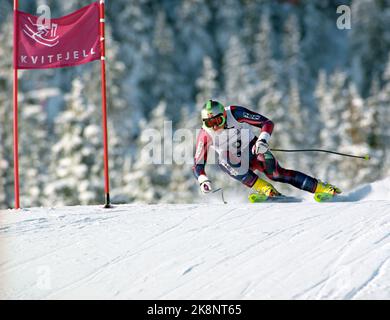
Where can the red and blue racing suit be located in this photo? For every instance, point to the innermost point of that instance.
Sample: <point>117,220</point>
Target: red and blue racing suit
<point>265,163</point>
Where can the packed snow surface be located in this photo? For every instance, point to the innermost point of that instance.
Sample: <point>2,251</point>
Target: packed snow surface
<point>303,250</point>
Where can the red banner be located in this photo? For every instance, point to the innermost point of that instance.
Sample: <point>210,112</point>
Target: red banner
<point>64,42</point>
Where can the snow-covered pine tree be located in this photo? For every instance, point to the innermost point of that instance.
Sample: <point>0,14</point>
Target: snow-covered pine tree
<point>332,98</point>
<point>293,77</point>
<point>67,6</point>
<point>123,116</point>
<point>267,93</point>
<point>384,118</point>
<point>34,157</point>
<point>6,150</point>
<point>322,44</point>
<point>76,169</point>
<point>226,21</point>
<point>324,101</point>
<point>4,202</point>
<point>167,87</point>
<point>251,11</point>
<point>264,61</point>
<point>192,21</point>
<point>352,116</point>
<point>369,41</point>
<point>118,105</point>
<point>206,83</point>
<point>370,127</point>
<point>146,176</point>
<point>133,23</point>
<point>183,186</point>
<point>291,50</point>
<point>295,132</point>
<point>371,117</point>
<point>353,139</point>
<point>237,74</point>
<point>5,8</point>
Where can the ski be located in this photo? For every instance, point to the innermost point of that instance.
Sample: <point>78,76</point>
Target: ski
<point>260,198</point>
<point>323,197</point>
<point>256,197</point>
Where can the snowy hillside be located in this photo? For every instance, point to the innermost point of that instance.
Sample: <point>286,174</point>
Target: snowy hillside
<point>210,251</point>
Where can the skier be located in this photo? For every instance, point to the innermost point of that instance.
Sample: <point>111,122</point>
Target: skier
<point>223,129</point>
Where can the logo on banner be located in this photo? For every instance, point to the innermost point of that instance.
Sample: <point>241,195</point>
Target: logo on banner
<point>42,34</point>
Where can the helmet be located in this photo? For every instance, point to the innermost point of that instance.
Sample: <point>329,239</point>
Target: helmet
<point>213,115</point>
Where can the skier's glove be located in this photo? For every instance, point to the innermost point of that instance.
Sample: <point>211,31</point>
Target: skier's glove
<point>205,184</point>
<point>261,146</point>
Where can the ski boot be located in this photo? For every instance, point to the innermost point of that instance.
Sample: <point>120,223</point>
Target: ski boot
<point>325,191</point>
<point>264,190</point>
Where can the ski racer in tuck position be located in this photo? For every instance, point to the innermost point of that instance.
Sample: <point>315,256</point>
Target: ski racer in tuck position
<point>240,152</point>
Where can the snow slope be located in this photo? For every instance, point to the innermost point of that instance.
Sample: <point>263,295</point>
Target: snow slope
<point>201,251</point>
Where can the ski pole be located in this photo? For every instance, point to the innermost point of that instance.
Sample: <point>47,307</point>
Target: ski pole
<point>223,198</point>
<point>365,157</point>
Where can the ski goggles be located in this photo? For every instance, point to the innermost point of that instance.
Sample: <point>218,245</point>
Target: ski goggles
<point>216,121</point>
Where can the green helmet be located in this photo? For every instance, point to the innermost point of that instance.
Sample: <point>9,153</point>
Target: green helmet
<point>213,114</point>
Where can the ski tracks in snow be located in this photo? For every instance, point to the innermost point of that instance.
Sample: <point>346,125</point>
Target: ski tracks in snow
<point>257,251</point>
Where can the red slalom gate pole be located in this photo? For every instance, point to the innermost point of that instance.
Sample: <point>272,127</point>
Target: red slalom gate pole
<point>104,105</point>
<point>15,110</point>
